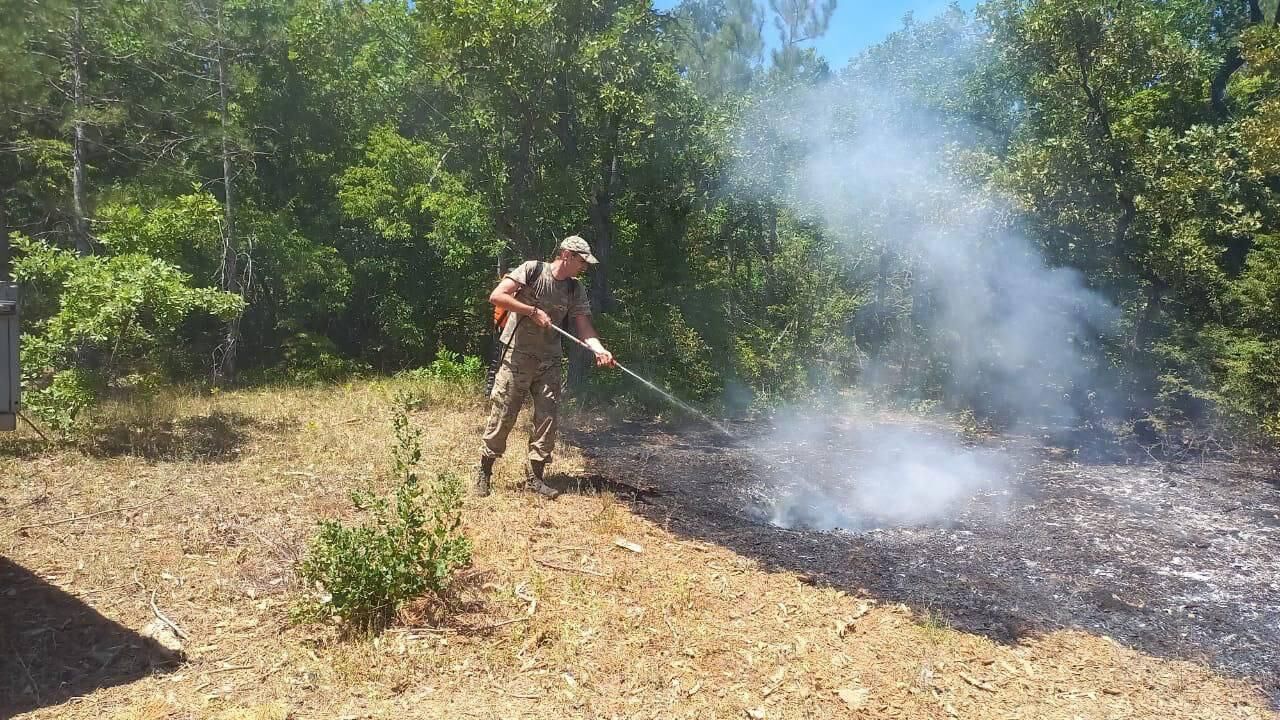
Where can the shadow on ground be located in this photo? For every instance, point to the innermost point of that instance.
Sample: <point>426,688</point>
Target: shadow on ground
<point>216,437</point>
<point>1176,562</point>
<point>22,447</point>
<point>54,647</point>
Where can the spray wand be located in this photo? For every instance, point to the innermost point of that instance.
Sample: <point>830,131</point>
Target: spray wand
<point>795,479</point>
<point>587,347</point>
<point>673,399</point>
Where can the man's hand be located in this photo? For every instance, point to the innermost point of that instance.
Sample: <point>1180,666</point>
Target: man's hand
<point>540,318</point>
<point>604,358</point>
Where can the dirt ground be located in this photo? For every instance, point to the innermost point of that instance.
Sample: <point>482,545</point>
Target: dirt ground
<point>657,587</point>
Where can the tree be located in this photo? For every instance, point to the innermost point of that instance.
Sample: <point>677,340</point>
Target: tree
<point>799,21</point>
<point>718,44</point>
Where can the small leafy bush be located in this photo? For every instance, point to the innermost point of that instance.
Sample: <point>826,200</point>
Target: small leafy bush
<point>96,320</point>
<point>313,358</point>
<point>661,346</point>
<point>455,367</point>
<point>410,547</point>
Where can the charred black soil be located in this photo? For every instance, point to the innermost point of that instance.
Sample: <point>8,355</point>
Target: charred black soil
<point>1174,560</point>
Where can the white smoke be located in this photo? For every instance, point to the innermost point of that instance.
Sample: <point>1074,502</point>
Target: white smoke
<point>881,476</point>
<point>1017,334</point>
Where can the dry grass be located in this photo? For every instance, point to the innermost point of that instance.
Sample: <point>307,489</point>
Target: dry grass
<point>209,500</point>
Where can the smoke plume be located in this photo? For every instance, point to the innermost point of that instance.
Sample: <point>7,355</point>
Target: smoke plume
<point>1019,337</point>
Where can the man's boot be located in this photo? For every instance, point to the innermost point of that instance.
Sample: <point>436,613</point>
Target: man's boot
<point>535,469</point>
<point>484,477</point>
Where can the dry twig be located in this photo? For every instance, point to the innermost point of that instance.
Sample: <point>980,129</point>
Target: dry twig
<point>229,669</point>
<point>160,616</point>
<point>567,568</point>
<point>35,689</point>
<point>494,626</point>
<point>78,518</point>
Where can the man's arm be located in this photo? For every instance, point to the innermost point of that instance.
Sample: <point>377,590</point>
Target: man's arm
<point>504,296</point>
<point>587,334</point>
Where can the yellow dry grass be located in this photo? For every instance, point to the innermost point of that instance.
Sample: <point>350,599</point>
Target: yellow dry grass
<point>210,514</point>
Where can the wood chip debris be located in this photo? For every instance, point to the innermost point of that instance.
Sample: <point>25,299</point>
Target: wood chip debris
<point>627,545</point>
<point>854,697</point>
<point>977,683</point>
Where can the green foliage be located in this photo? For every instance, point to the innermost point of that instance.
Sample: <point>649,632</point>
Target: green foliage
<point>97,320</point>
<point>450,377</point>
<point>313,358</point>
<point>1260,130</point>
<point>294,285</point>
<point>661,347</point>
<point>421,216</point>
<point>410,546</point>
<point>186,230</point>
<point>454,367</point>
<point>719,44</point>
<point>59,398</point>
<point>1233,370</point>
<point>387,157</point>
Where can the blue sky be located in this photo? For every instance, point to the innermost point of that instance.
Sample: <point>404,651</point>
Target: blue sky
<point>856,23</point>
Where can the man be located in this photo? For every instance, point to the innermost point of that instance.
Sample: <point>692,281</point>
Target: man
<point>536,295</point>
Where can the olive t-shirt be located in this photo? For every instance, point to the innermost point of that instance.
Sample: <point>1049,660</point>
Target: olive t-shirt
<point>551,296</point>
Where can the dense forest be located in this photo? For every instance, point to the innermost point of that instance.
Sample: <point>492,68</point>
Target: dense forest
<point>1042,212</point>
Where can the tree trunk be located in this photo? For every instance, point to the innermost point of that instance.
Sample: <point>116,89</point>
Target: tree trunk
<point>225,367</point>
<point>880,320</point>
<point>731,245</point>
<point>1230,64</point>
<point>1218,88</point>
<point>600,209</point>
<point>520,173</point>
<point>79,220</point>
<point>1143,326</point>
<point>1147,318</point>
<point>601,212</point>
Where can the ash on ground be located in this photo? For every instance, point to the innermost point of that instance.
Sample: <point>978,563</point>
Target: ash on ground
<point>1175,560</point>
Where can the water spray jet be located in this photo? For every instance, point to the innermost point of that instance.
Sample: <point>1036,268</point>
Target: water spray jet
<point>791,475</point>
<point>670,398</point>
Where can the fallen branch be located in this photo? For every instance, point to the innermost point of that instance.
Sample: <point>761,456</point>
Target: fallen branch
<point>95,591</point>
<point>77,518</point>
<point>977,683</point>
<point>567,568</point>
<point>161,617</point>
<point>272,671</point>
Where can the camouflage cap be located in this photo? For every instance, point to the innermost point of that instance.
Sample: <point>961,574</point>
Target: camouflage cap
<point>573,243</point>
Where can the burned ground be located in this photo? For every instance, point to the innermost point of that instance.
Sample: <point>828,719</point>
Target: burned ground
<point>1174,560</point>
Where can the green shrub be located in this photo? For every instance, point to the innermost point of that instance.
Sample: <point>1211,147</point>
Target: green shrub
<point>456,367</point>
<point>99,319</point>
<point>313,358</point>
<point>60,400</point>
<point>449,367</point>
<point>661,346</point>
<point>410,547</point>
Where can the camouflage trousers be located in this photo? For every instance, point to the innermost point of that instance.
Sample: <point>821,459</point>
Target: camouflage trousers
<point>520,376</point>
